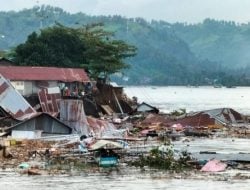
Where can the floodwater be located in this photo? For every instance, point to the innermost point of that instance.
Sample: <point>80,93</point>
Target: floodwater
<point>172,98</point>
<point>218,145</point>
<point>132,178</point>
<point>10,181</point>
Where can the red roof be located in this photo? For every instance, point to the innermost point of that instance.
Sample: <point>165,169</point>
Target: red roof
<point>19,73</point>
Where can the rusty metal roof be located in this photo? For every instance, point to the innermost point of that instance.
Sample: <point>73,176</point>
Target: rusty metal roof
<point>12,102</point>
<point>210,117</point>
<point>49,102</point>
<point>20,73</point>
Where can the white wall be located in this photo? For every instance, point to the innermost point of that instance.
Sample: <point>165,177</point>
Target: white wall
<point>30,87</point>
<point>18,85</point>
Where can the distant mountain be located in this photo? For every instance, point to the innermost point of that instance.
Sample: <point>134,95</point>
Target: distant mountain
<point>168,54</point>
<point>227,43</point>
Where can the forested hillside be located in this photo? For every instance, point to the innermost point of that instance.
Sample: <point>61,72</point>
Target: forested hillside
<point>168,54</point>
<point>225,42</point>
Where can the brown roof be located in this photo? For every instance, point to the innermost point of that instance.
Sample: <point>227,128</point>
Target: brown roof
<point>199,119</point>
<point>44,73</point>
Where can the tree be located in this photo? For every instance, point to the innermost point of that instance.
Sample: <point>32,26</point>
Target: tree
<point>90,47</point>
<point>55,46</point>
<point>104,54</point>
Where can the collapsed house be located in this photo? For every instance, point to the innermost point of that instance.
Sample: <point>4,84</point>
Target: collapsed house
<point>72,82</point>
<point>111,99</point>
<point>209,119</point>
<point>221,116</point>
<point>20,119</point>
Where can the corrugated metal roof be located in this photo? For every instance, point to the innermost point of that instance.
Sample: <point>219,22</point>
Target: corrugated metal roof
<point>20,73</point>
<point>72,113</point>
<point>210,117</point>
<point>200,119</point>
<point>102,128</point>
<point>47,127</point>
<point>49,102</point>
<point>225,115</point>
<point>12,102</point>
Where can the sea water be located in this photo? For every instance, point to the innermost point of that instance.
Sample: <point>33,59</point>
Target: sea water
<point>171,98</point>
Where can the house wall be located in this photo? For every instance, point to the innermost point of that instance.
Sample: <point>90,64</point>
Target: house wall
<point>19,86</point>
<point>26,88</point>
<point>32,87</point>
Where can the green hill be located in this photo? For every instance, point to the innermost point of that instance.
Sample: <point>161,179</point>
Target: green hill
<point>168,54</point>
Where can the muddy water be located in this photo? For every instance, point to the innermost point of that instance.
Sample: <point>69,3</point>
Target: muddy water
<point>12,181</point>
<point>218,145</point>
<point>131,178</point>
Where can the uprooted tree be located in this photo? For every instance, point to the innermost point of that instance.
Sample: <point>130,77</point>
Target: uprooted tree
<point>89,47</point>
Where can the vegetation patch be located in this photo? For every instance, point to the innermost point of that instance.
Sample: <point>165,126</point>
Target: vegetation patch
<point>164,160</point>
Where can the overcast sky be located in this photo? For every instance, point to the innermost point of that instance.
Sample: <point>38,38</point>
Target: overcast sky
<point>169,10</point>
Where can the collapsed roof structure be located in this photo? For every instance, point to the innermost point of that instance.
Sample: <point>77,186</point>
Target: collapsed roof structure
<point>12,102</point>
<point>221,116</point>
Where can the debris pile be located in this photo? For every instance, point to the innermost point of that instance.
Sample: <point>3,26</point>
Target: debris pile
<point>65,131</point>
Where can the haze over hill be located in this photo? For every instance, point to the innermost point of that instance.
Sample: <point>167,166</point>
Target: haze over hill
<point>190,11</point>
<point>168,54</point>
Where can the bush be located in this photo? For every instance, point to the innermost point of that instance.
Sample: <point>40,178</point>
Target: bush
<point>164,160</point>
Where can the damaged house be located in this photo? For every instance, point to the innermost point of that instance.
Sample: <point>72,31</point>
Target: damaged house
<point>29,80</point>
<point>221,116</point>
<point>40,125</point>
<point>20,120</point>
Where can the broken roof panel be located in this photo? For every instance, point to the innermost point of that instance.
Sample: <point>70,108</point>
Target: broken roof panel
<point>20,73</point>
<point>102,128</point>
<point>222,116</point>
<point>199,119</point>
<point>225,115</point>
<point>12,102</point>
<point>50,99</point>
